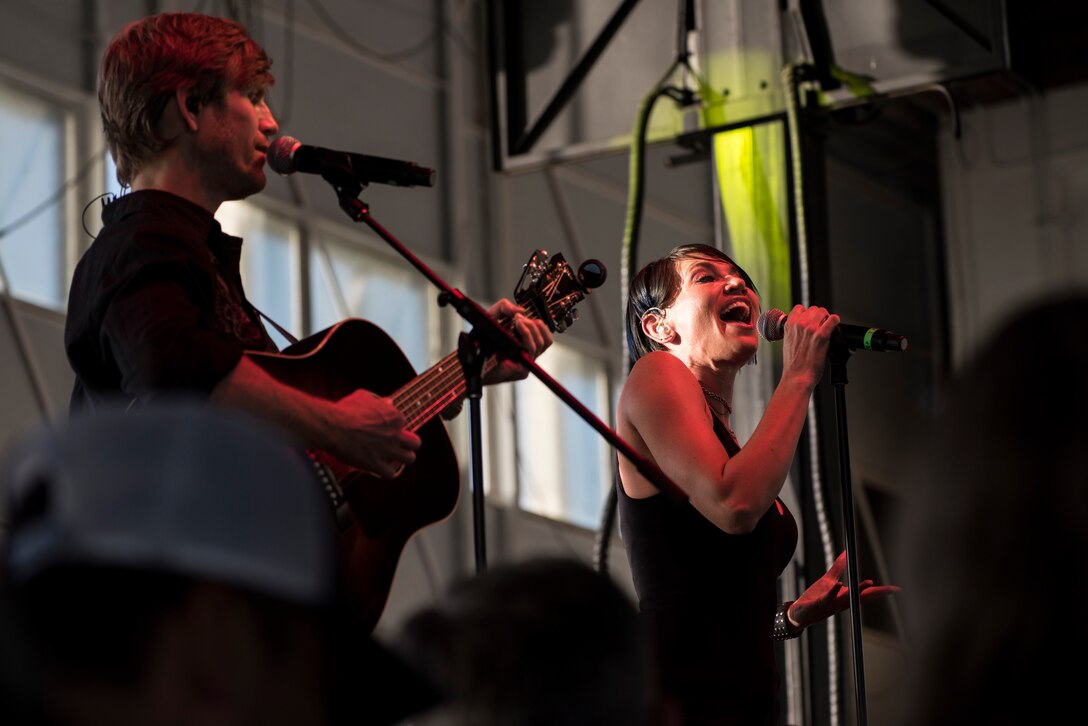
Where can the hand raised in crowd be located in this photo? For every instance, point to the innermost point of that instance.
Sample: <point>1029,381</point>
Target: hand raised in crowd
<point>830,595</point>
<point>532,333</point>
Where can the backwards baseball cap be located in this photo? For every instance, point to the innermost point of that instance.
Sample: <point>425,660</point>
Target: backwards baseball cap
<point>181,487</point>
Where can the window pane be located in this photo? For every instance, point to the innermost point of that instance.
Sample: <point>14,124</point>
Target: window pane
<point>349,282</point>
<point>563,463</point>
<point>111,185</point>
<point>267,262</point>
<point>32,172</point>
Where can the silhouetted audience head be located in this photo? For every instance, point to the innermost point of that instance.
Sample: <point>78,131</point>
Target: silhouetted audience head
<point>996,534</point>
<point>546,641</point>
<point>169,565</point>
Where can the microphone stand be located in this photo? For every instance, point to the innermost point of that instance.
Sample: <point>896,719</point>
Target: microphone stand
<point>838,354</point>
<point>486,337</point>
<point>470,351</point>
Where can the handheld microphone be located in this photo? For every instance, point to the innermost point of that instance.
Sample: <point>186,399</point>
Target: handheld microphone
<point>287,155</point>
<point>772,326</point>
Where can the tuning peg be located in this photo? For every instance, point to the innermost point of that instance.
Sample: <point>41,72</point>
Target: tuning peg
<point>592,274</point>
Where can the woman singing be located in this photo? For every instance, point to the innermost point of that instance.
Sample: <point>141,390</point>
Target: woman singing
<point>706,571</point>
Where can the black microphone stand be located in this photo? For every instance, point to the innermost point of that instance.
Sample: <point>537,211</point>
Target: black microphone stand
<point>837,356</point>
<point>472,355</point>
<point>485,338</point>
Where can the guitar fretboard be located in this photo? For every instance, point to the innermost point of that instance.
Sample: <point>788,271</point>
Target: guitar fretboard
<point>427,395</point>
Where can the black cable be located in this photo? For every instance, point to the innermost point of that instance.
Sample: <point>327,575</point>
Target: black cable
<point>51,199</point>
<point>629,253</point>
<point>333,27</point>
<point>232,11</point>
<point>686,23</point>
<point>288,62</point>
<point>83,214</point>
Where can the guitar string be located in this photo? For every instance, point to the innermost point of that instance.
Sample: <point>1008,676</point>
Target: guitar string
<point>446,371</point>
<point>450,376</point>
<point>419,413</point>
<point>454,379</point>
<point>453,371</point>
<point>427,380</point>
<point>437,376</point>
<point>427,413</point>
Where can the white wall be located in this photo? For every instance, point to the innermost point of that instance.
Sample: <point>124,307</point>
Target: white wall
<point>1016,208</point>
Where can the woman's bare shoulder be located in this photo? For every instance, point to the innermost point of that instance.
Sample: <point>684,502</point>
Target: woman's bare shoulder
<point>657,362</point>
<point>657,378</point>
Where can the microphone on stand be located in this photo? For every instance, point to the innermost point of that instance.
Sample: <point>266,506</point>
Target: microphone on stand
<point>287,155</point>
<point>772,326</point>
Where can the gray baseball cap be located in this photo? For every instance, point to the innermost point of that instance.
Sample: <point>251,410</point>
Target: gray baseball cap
<point>178,487</point>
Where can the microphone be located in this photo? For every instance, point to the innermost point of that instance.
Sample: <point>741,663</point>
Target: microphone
<point>287,155</point>
<point>772,326</point>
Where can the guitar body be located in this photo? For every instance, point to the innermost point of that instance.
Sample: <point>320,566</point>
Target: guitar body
<point>356,354</point>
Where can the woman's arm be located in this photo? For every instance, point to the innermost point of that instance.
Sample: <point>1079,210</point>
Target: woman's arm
<point>663,402</point>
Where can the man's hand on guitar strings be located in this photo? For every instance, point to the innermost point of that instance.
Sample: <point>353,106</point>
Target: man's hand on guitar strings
<point>532,333</point>
<point>372,435</point>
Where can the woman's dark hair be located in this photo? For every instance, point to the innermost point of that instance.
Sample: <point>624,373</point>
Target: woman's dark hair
<point>656,286</point>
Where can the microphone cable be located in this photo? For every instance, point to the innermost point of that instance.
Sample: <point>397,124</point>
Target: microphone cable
<point>632,226</point>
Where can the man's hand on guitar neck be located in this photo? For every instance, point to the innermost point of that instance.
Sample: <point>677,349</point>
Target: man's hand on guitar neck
<point>532,333</point>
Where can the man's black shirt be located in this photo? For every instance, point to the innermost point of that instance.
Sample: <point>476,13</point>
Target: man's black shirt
<point>157,304</point>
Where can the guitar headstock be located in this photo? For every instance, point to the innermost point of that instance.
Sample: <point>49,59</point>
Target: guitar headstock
<point>550,289</point>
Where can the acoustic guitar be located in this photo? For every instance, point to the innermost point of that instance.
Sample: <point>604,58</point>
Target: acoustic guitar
<point>378,516</point>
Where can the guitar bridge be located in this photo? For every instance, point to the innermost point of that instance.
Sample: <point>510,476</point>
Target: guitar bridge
<point>341,510</point>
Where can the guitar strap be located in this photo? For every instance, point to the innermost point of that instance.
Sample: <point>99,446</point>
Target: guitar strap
<point>279,328</point>
<point>328,481</point>
<point>290,338</point>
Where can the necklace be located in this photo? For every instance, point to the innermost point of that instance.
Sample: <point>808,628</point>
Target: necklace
<point>728,409</point>
<point>720,399</point>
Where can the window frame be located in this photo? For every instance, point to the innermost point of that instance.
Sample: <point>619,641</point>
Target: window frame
<point>81,137</point>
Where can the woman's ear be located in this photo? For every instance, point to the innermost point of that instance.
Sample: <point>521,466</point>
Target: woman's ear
<point>655,326</point>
